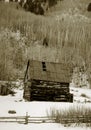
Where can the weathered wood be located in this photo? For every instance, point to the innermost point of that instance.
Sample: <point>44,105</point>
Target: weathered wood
<point>58,72</point>
<point>64,120</point>
<point>48,80</point>
<point>22,119</point>
<point>5,88</point>
<point>48,91</point>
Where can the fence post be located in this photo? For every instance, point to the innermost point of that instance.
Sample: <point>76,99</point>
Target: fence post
<point>26,118</point>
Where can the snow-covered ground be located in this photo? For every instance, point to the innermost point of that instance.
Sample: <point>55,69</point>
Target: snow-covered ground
<point>44,126</point>
<point>34,108</point>
<point>81,95</point>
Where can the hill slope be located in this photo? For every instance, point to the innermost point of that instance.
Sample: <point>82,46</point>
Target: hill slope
<point>67,28</point>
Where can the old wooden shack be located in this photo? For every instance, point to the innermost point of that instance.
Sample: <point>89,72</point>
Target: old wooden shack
<point>47,81</point>
<point>5,88</point>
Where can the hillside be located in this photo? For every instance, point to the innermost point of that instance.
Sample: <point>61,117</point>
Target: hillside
<point>66,26</point>
<point>79,6</point>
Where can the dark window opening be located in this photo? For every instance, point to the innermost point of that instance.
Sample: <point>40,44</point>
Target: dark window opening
<point>43,66</point>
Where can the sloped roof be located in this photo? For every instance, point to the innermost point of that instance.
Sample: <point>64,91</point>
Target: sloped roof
<point>50,71</point>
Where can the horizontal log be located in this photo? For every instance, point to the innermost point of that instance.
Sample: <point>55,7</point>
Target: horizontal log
<point>22,119</point>
<point>14,117</point>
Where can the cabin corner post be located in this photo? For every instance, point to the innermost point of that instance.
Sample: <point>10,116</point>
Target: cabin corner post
<point>27,90</point>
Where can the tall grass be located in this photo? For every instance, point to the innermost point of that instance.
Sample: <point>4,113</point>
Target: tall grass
<point>69,33</point>
<point>76,114</point>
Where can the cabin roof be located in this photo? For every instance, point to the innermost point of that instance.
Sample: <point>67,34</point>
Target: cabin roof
<point>50,71</point>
